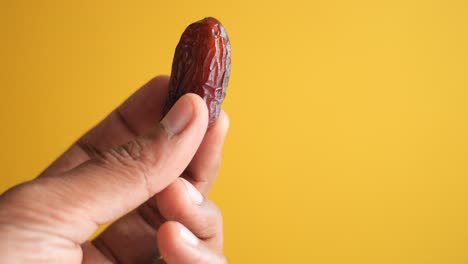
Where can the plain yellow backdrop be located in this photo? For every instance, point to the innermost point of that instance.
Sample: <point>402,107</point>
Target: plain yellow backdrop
<point>349,119</point>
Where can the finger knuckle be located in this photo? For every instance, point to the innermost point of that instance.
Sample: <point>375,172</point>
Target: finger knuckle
<point>210,222</point>
<point>129,153</point>
<point>132,157</point>
<point>184,211</point>
<point>216,212</point>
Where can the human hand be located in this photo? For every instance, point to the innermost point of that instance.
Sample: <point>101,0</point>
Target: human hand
<point>125,170</point>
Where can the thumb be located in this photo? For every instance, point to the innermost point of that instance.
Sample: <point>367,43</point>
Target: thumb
<point>112,183</point>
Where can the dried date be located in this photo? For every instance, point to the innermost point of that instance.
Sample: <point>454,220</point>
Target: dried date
<point>201,65</point>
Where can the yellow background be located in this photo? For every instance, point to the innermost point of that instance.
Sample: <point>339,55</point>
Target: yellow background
<point>349,133</point>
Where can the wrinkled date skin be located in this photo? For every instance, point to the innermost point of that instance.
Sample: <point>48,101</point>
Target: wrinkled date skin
<point>202,65</point>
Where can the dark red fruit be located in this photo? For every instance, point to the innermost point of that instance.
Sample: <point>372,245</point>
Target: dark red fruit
<point>202,65</point>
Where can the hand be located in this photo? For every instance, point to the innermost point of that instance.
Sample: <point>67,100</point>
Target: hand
<point>124,171</point>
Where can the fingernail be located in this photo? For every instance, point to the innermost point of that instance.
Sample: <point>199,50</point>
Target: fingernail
<point>187,236</point>
<point>178,117</point>
<point>193,193</point>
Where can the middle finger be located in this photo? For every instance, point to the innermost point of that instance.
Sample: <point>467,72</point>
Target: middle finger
<point>203,169</point>
<point>182,202</point>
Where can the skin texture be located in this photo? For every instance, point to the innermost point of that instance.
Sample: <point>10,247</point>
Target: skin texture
<point>201,65</point>
<point>125,171</point>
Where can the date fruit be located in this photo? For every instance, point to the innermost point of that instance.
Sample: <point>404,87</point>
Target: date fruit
<point>201,65</point>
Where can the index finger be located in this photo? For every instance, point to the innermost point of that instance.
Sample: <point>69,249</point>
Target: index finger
<point>133,118</point>
<point>203,169</point>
